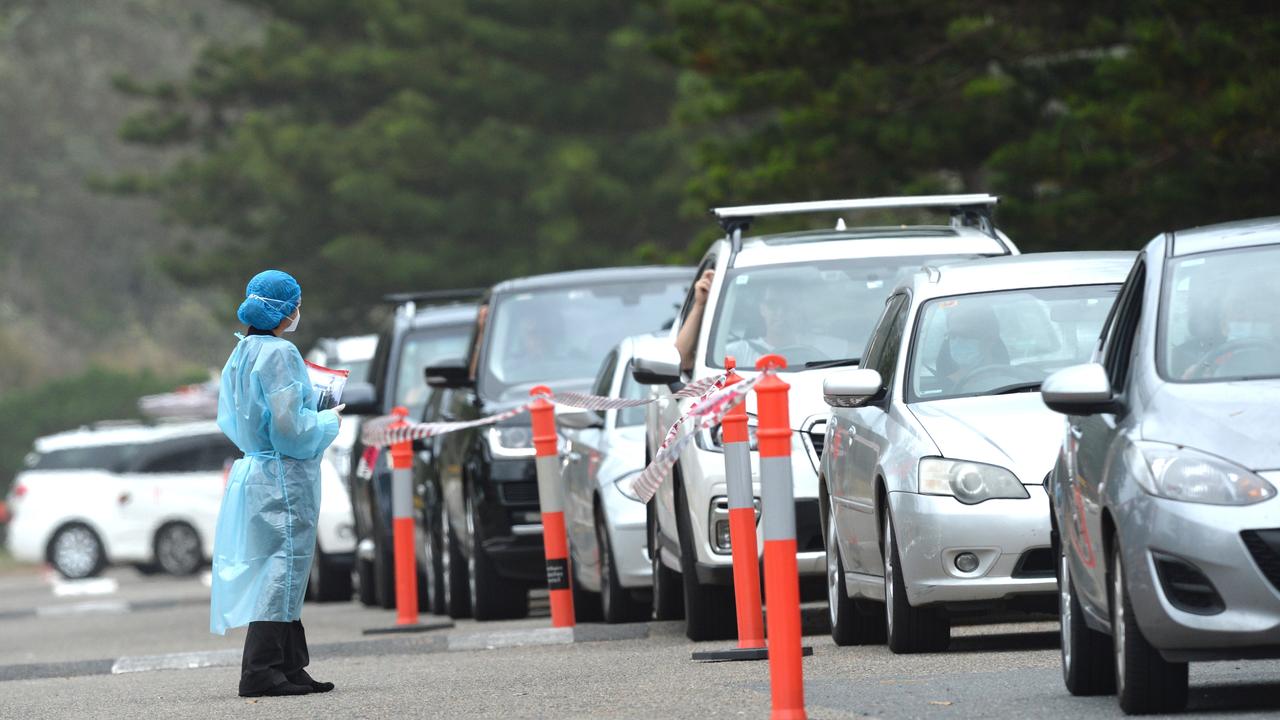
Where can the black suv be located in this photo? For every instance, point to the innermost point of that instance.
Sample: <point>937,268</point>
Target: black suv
<point>478,488</point>
<point>416,336</point>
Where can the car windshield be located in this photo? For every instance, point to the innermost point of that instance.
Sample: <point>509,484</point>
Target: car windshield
<point>557,336</point>
<point>111,458</point>
<point>420,349</point>
<point>1007,341</point>
<point>807,312</point>
<point>1220,317</point>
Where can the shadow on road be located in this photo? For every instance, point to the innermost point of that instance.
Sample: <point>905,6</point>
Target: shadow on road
<point>1235,697</point>
<point>1005,642</point>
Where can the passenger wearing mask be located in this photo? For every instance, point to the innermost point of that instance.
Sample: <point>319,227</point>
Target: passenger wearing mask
<point>266,533</point>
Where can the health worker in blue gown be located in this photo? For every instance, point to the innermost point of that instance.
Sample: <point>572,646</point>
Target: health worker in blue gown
<point>266,534</point>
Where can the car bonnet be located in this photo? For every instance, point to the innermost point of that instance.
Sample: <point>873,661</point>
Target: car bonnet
<point>1238,421</point>
<point>1015,431</point>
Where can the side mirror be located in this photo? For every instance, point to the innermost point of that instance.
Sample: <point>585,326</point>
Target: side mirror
<point>656,363</point>
<point>360,398</point>
<point>450,374</point>
<point>585,420</point>
<point>852,388</point>
<point>1079,390</point>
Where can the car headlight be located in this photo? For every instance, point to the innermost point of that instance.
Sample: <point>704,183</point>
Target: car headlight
<point>968,482</point>
<point>624,485</point>
<point>1179,473</point>
<point>712,438</point>
<point>511,440</point>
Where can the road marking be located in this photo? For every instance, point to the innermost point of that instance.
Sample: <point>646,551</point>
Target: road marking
<point>89,586</point>
<point>176,661</point>
<point>89,607</point>
<point>206,578</point>
<point>511,638</point>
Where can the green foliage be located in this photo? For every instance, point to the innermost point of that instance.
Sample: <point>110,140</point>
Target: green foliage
<point>406,144</point>
<point>1098,123</point>
<point>64,404</point>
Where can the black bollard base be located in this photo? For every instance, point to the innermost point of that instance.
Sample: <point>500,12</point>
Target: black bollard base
<point>416,628</point>
<point>740,654</point>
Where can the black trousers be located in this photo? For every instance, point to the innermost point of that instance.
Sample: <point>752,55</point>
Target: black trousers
<point>274,652</point>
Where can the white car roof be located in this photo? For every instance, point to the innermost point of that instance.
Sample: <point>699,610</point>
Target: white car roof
<point>123,434</point>
<point>866,242</point>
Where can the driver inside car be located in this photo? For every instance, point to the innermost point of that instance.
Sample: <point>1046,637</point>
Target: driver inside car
<point>972,342</point>
<point>1246,337</point>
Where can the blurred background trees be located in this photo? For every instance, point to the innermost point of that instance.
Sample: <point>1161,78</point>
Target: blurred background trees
<point>155,153</point>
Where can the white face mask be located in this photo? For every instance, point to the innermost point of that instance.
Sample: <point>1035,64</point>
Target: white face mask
<point>294,325</point>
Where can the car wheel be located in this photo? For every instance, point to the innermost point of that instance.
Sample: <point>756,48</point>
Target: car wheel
<point>434,600</point>
<point>76,552</point>
<point>617,603</point>
<point>384,566</point>
<point>1145,682</point>
<point>709,610</point>
<point>1087,663</point>
<point>364,582</point>
<point>177,549</point>
<point>453,571</point>
<point>327,581</point>
<point>909,629</point>
<point>492,597</point>
<point>586,604</point>
<point>849,625</point>
<point>668,598</point>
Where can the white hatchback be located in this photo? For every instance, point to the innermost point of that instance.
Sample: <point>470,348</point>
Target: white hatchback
<point>121,494</point>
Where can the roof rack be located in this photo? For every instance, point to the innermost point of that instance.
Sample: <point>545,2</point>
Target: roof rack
<point>435,297</point>
<point>967,210</point>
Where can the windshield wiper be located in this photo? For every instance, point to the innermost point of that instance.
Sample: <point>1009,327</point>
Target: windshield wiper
<point>1016,388</point>
<point>816,364</point>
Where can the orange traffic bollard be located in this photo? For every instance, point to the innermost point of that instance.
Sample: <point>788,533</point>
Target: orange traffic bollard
<point>781,576</point>
<point>742,533</point>
<point>402,535</point>
<point>555,541</point>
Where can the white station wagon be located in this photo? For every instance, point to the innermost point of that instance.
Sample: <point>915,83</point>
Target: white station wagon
<point>121,494</point>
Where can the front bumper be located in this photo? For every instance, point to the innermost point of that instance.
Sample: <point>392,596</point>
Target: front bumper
<point>1209,538</point>
<point>510,520</point>
<point>1004,534</point>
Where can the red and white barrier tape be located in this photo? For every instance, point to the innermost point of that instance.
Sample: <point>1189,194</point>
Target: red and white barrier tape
<point>379,433</point>
<point>709,410</point>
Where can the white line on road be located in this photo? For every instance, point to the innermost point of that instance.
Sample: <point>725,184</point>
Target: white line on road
<point>89,607</point>
<point>91,586</point>
<point>511,638</point>
<point>176,661</point>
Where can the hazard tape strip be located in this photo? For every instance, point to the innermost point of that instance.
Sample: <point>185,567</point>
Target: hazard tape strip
<point>709,410</point>
<point>379,432</point>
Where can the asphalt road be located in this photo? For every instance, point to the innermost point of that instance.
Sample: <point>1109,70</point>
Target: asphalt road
<point>98,650</point>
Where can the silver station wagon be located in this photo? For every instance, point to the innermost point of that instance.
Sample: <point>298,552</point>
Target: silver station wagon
<point>932,469</point>
<point>1165,494</point>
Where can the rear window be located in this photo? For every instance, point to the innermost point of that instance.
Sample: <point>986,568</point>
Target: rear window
<point>112,458</point>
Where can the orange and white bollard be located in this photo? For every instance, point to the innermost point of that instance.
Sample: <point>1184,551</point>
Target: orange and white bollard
<point>555,540</point>
<point>742,533</point>
<point>402,535</point>
<point>781,576</point>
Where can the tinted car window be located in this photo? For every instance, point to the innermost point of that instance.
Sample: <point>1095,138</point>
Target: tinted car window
<point>556,336</point>
<point>420,349</point>
<point>201,454</point>
<point>112,458</point>
<point>990,342</point>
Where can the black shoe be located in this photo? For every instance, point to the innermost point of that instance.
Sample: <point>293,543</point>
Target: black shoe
<point>283,689</point>
<point>303,678</point>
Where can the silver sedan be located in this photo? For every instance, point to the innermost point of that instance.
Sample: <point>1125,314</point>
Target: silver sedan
<point>612,573</point>
<point>933,463</point>
<point>1164,495</point>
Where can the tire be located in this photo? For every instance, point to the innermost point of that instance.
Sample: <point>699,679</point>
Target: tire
<point>76,552</point>
<point>1088,665</point>
<point>849,624</point>
<point>1145,682</point>
<point>177,549</point>
<point>365,582</point>
<point>492,597</point>
<point>384,577</point>
<point>668,595</point>
<point>617,603</point>
<point>453,571</point>
<point>710,611</point>
<point>908,629</point>
<point>586,604</point>
<point>432,597</point>
<point>327,582</point>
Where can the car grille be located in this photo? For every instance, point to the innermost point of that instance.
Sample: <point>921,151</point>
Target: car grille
<point>1264,546</point>
<point>518,493</point>
<point>1035,563</point>
<point>808,526</point>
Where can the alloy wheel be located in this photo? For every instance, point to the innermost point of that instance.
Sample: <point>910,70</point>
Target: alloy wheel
<point>833,566</point>
<point>602,549</point>
<point>888,573</point>
<point>1064,607</point>
<point>178,549</point>
<point>446,546</point>
<point>76,551</point>
<point>1118,619</point>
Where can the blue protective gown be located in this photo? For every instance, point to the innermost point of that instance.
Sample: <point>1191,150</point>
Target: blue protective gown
<point>266,533</point>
